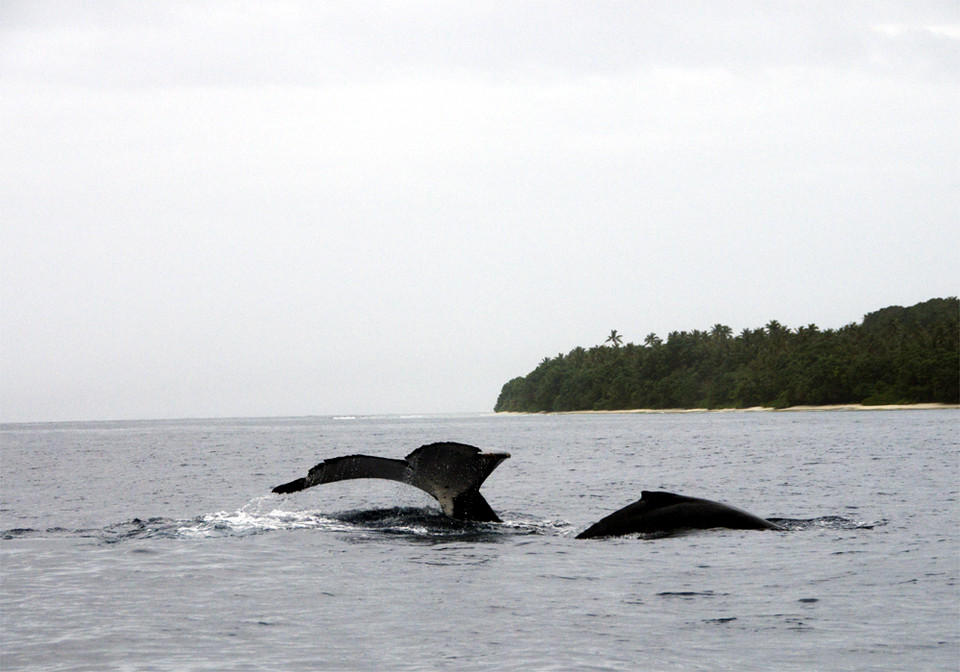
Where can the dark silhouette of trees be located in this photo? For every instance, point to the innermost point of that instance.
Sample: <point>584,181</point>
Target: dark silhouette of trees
<point>895,355</point>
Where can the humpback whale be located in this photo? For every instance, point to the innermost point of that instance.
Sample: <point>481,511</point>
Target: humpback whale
<point>449,472</point>
<point>452,473</point>
<point>667,512</point>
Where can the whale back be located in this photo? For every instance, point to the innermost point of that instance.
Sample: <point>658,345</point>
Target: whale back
<point>658,511</point>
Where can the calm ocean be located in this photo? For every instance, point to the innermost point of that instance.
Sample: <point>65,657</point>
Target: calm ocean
<point>156,545</point>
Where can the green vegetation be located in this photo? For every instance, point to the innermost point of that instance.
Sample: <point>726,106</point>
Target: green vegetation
<point>895,356</point>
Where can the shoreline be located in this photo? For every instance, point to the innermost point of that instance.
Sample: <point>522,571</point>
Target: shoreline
<point>756,409</point>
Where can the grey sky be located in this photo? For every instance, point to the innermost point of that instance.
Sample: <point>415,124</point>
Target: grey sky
<point>291,208</point>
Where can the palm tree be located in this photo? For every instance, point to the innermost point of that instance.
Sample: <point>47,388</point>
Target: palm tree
<point>652,340</point>
<point>614,338</point>
<point>721,332</point>
<point>774,328</point>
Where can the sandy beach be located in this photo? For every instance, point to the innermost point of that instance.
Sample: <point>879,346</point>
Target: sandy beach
<point>765,409</point>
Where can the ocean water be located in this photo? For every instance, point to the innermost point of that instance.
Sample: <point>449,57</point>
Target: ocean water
<point>158,546</point>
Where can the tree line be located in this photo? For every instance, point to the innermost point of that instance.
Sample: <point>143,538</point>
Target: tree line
<point>896,355</point>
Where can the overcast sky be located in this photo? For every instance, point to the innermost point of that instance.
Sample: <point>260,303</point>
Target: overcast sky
<point>307,208</point>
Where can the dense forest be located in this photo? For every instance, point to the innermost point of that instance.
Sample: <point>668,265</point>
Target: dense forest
<point>894,356</point>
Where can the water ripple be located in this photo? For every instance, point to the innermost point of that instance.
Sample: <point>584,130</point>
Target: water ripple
<point>410,522</point>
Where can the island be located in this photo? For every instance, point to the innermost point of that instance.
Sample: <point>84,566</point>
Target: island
<point>894,355</point>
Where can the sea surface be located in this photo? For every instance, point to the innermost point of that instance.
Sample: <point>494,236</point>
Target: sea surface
<point>156,545</point>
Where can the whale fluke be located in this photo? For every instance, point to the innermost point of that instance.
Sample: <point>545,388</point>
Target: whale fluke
<point>667,512</point>
<point>451,473</point>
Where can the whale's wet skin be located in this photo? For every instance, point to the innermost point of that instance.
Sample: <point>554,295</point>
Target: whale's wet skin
<point>665,512</point>
<point>157,545</point>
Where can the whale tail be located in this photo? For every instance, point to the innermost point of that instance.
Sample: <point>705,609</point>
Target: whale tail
<point>451,473</point>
